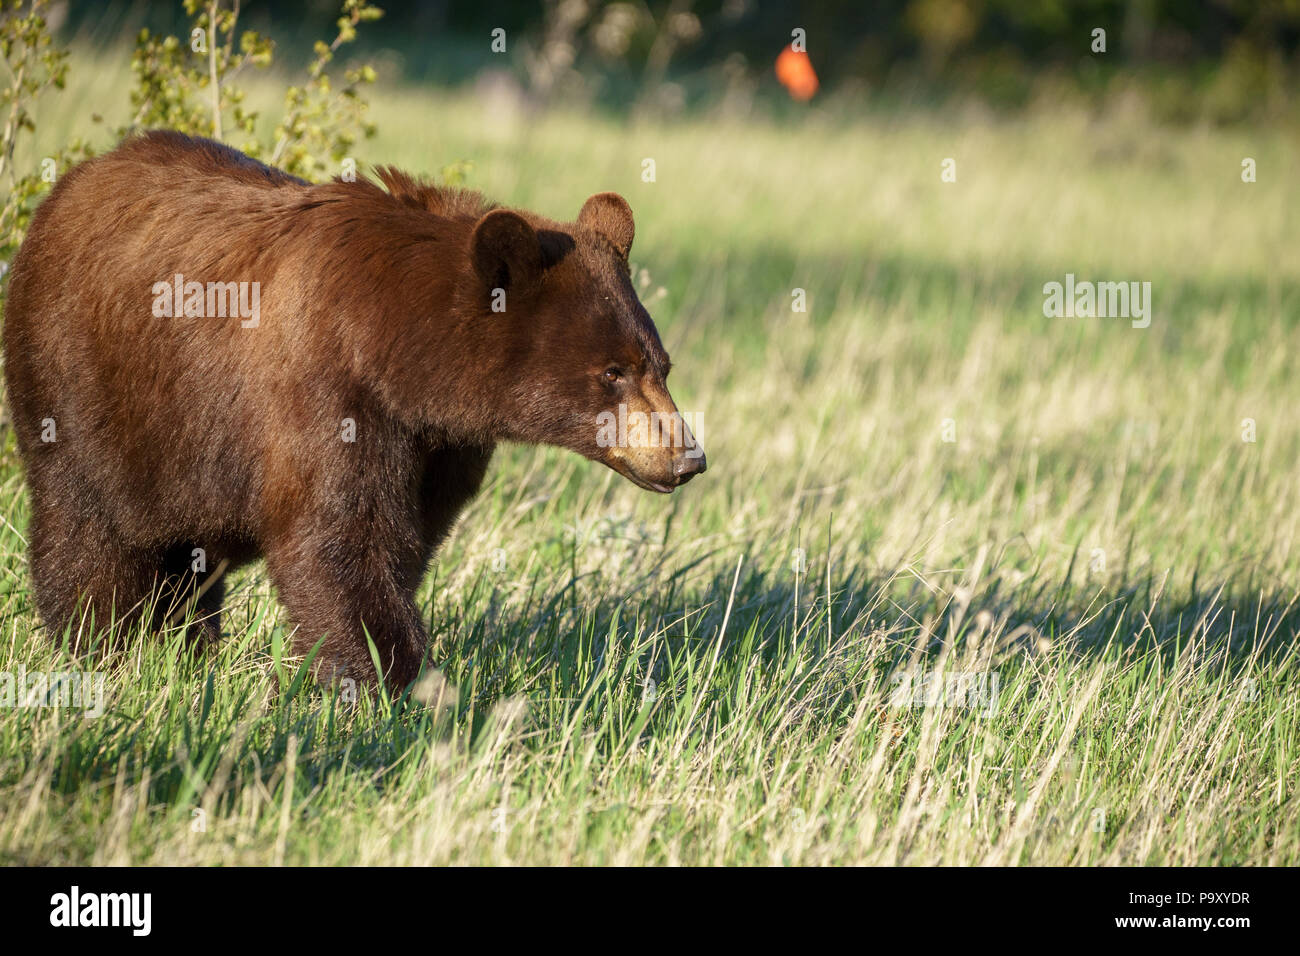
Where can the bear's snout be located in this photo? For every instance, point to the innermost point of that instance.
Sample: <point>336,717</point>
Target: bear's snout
<point>658,469</point>
<point>688,466</point>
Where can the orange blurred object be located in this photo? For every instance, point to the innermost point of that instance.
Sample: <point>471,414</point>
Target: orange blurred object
<point>795,71</point>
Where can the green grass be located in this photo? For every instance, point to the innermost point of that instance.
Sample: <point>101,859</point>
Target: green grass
<point>652,680</point>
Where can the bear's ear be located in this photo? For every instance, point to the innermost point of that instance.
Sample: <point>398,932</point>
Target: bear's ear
<point>506,251</point>
<point>609,215</point>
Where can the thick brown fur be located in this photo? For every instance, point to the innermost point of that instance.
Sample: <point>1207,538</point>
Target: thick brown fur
<point>184,433</point>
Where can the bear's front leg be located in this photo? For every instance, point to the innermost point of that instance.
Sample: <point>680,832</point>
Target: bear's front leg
<point>343,588</point>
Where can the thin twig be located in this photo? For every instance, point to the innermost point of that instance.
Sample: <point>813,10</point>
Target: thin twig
<point>214,77</point>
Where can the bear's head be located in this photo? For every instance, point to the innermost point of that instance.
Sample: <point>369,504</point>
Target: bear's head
<point>583,363</point>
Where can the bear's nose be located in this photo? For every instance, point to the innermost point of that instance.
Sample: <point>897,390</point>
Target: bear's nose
<point>687,467</point>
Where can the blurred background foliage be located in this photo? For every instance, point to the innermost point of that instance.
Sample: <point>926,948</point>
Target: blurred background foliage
<point>1222,61</point>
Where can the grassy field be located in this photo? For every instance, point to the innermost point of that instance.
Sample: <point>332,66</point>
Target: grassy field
<point>723,677</point>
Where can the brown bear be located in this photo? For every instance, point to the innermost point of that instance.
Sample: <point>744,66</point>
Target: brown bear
<point>210,361</point>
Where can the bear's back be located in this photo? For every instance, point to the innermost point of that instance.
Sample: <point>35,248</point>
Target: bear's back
<point>161,148</point>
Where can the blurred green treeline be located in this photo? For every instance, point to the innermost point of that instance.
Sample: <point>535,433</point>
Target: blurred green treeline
<point>1223,60</point>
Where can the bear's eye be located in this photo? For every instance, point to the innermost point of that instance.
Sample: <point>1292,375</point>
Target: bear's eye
<point>613,375</point>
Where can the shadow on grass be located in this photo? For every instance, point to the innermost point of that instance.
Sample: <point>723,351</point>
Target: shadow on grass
<point>199,727</point>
